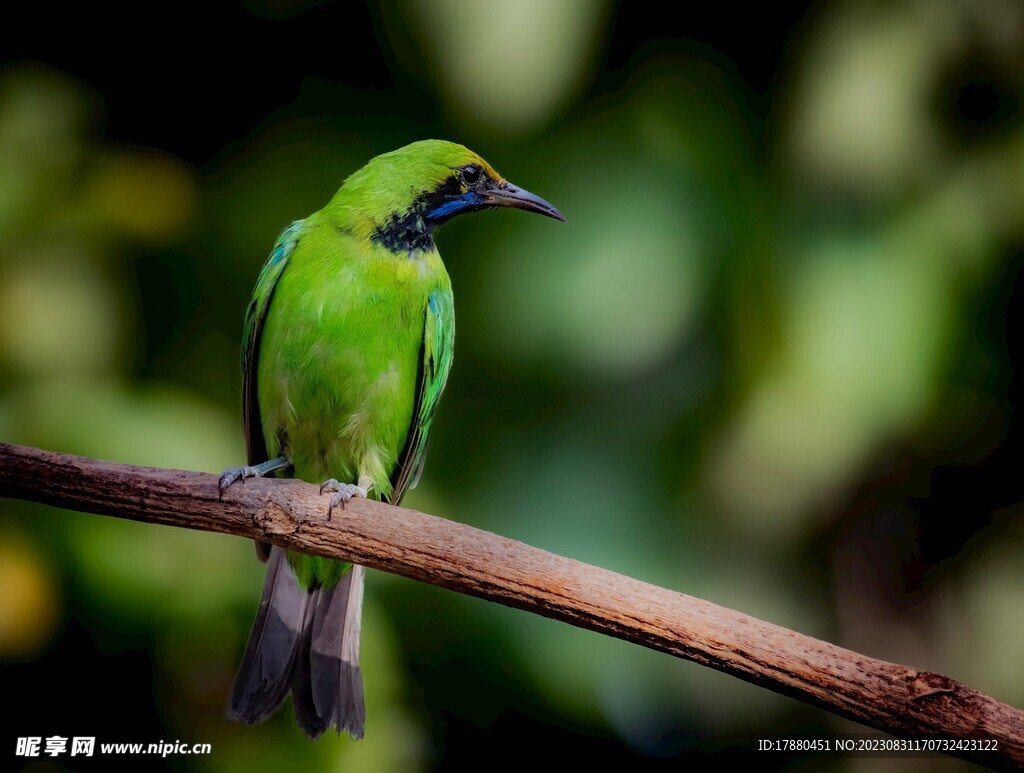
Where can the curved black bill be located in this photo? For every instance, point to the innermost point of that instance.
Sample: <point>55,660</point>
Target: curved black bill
<point>508,195</point>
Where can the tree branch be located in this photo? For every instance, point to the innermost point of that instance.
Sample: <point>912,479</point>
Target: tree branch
<point>893,698</point>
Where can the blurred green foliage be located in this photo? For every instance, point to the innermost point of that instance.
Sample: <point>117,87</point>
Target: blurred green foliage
<point>759,336</point>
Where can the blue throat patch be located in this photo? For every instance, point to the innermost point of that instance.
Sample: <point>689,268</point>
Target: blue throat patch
<point>411,233</point>
<point>452,207</point>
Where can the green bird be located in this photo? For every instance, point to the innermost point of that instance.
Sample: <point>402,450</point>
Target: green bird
<point>347,347</point>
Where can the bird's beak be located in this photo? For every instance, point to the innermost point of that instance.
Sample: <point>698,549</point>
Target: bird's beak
<point>508,195</point>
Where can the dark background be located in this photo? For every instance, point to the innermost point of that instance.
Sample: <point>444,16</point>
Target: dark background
<point>772,359</point>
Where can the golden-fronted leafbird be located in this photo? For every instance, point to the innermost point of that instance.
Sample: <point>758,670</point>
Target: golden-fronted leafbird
<point>347,346</point>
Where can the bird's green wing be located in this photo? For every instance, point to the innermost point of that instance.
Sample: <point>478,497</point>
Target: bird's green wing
<point>255,443</point>
<point>438,347</point>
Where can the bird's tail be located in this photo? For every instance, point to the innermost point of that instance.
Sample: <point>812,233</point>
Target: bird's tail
<point>306,641</point>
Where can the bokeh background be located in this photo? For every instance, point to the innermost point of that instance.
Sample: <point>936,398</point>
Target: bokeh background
<point>773,359</point>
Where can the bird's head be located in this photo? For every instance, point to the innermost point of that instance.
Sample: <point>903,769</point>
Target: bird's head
<point>404,194</point>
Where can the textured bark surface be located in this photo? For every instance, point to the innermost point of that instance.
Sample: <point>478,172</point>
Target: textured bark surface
<point>886,696</point>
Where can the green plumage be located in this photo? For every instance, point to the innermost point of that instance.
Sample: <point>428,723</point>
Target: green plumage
<point>348,342</point>
<point>355,347</point>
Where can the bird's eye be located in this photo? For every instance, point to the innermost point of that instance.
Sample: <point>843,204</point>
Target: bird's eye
<point>470,174</point>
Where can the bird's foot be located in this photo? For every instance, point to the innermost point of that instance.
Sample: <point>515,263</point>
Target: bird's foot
<point>233,474</point>
<point>343,493</point>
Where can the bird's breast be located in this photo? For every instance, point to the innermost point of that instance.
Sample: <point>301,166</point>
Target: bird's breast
<point>339,368</point>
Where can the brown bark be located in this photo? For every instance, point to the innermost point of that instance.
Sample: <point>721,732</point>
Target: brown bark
<point>893,698</point>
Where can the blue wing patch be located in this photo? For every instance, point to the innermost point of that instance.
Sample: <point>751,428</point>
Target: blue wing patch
<point>254,319</point>
<point>438,347</point>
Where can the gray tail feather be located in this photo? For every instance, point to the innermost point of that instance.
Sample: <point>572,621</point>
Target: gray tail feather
<point>265,674</point>
<point>308,642</point>
<point>327,686</point>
